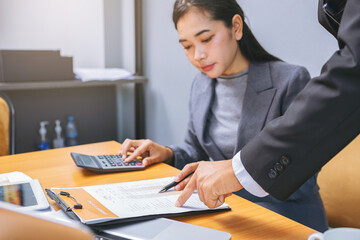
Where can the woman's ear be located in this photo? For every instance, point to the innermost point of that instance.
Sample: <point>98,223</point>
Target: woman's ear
<point>237,23</point>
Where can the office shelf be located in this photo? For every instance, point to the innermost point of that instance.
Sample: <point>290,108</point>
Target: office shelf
<point>6,86</point>
<point>104,110</point>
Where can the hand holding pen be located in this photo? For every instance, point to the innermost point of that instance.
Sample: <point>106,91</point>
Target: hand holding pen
<point>173,184</point>
<point>213,180</point>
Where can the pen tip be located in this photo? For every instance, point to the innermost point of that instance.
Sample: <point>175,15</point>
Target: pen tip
<point>162,190</point>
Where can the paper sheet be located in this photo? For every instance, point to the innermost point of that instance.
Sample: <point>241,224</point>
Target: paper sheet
<point>101,74</point>
<point>121,201</point>
<point>141,198</point>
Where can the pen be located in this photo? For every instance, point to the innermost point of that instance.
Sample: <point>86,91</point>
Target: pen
<point>173,184</point>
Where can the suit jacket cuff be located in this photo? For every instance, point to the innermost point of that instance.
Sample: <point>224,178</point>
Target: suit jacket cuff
<point>245,179</point>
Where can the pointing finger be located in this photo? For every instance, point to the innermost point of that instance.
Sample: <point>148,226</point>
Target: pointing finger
<point>124,147</point>
<point>188,191</point>
<point>138,152</point>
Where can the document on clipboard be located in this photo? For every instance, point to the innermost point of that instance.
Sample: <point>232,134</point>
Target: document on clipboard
<point>125,202</point>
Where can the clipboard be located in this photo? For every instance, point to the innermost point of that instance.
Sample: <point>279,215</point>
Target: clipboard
<point>100,205</point>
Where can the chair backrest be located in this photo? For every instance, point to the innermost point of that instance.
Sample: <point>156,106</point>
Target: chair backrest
<point>7,126</point>
<point>17,225</point>
<point>339,184</point>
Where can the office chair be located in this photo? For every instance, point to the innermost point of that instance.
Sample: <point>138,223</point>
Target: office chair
<point>340,187</point>
<point>7,126</point>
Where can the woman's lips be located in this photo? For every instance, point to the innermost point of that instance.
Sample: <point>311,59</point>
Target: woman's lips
<point>207,68</point>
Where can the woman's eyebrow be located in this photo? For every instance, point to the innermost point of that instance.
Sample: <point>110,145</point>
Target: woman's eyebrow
<point>201,32</point>
<point>196,35</point>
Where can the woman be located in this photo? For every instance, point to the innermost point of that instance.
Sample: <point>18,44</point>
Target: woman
<point>239,89</point>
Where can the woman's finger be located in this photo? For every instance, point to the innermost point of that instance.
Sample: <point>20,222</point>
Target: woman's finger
<point>130,146</point>
<point>149,161</point>
<point>124,147</point>
<point>139,151</point>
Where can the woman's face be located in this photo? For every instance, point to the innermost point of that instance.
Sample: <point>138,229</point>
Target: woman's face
<point>211,46</point>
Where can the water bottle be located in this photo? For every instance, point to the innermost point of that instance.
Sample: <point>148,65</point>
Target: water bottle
<point>44,143</point>
<point>58,141</point>
<point>71,132</point>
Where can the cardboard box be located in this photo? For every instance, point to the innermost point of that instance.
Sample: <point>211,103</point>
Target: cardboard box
<point>34,65</point>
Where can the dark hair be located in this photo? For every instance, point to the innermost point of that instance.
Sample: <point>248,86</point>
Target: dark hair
<point>225,10</point>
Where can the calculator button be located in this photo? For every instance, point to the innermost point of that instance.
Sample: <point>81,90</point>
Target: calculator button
<point>139,164</point>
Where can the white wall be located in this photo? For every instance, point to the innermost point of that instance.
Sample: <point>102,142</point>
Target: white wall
<point>290,30</point>
<point>169,72</point>
<point>75,27</point>
<point>287,28</point>
<point>127,14</point>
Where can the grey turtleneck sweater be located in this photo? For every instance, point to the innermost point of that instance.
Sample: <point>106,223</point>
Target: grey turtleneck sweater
<point>225,113</point>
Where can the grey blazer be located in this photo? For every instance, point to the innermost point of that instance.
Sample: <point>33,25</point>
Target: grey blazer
<point>270,90</point>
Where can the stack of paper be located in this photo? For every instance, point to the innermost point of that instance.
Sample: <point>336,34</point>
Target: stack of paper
<point>101,74</point>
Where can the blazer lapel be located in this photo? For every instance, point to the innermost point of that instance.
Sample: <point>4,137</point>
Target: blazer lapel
<point>203,102</point>
<point>257,101</point>
<point>201,107</point>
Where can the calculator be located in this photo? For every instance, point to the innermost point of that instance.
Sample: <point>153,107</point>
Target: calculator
<point>106,163</point>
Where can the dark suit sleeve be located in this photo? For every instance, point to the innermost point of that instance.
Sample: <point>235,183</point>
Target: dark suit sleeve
<point>320,122</point>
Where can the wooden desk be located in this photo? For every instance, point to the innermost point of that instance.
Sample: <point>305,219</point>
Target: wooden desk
<point>246,220</point>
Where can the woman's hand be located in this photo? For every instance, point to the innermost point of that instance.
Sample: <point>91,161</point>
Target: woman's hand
<point>150,151</point>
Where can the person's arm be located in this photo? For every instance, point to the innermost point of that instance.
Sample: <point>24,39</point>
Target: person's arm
<point>190,151</point>
<point>321,121</point>
<point>293,81</point>
<point>245,178</point>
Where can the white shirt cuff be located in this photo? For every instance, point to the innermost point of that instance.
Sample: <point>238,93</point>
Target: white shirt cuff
<point>245,179</point>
